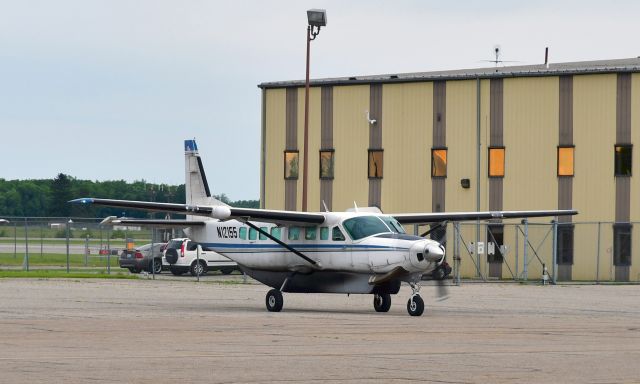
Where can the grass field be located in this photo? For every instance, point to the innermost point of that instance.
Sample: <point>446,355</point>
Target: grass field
<point>57,260</point>
<point>48,274</point>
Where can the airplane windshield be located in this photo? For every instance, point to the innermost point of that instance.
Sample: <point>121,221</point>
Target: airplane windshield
<point>393,224</point>
<point>363,226</point>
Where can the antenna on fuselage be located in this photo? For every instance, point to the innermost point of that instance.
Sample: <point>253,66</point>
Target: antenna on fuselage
<point>355,206</point>
<point>325,206</point>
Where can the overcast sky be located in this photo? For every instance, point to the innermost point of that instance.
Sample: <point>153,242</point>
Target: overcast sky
<point>106,90</point>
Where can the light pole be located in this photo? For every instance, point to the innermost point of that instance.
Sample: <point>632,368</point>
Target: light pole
<point>317,19</point>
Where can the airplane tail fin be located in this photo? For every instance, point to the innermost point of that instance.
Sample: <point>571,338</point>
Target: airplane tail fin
<point>196,186</point>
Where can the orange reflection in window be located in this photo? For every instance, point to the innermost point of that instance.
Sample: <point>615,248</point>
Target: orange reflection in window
<point>565,161</point>
<point>496,162</point>
<point>438,162</point>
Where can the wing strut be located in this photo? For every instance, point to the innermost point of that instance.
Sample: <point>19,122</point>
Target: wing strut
<point>295,251</point>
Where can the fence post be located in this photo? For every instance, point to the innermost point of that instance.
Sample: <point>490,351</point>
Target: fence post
<point>517,229</point>
<point>26,245</point>
<point>86,250</point>
<point>15,239</point>
<point>526,249</point>
<point>456,253</point>
<point>598,257</point>
<point>554,252</point>
<point>68,225</point>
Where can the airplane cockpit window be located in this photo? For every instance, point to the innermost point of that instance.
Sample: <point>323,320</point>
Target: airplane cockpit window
<point>243,233</point>
<point>337,234</point>
<point>364,226</point>
<point>393,224</point>
<point>294,233</point>
<point>276,232</point>
<point>310,233</point>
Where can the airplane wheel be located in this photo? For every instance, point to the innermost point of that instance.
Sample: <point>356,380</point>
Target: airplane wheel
<point>382,302</point>
<point>415,305</point>
<point>274,300</point>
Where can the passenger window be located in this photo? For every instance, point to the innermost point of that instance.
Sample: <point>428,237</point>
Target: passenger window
<point>262,236</point>
<point>276,232</point>
<point>310,233</point>
<point>243,233</point>
<point>324,233</point>
<point>294,233</point>
<point>337,234</point>
<point>252,234</point>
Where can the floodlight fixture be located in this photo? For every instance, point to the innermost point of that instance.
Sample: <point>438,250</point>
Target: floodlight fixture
<point>317,17</point>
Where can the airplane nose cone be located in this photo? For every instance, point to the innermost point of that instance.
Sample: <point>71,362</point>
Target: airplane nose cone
<point>433,252</point>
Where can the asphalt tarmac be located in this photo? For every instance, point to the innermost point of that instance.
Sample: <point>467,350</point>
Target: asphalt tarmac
<point>218,331</point>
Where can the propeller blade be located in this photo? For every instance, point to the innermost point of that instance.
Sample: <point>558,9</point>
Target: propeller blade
<point>442,291</point>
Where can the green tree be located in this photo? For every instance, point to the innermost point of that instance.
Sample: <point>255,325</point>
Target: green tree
<point>61,193</point>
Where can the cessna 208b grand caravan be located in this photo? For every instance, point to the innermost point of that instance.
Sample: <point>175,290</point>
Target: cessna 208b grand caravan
<point>358,251</point>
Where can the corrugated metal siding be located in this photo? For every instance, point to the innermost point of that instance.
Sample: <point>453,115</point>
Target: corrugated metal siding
<point>351,140</point>
<point>634,208</point>
<point>594,121</point>
<point>291,186</point>
<point>407,139</point>
<point>275,127</point>
<point>530,134</point>
<point>315,116</point>
<point>326,142</point>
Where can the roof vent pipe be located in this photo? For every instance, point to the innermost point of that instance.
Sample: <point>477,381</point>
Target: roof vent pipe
<point>546,57</point>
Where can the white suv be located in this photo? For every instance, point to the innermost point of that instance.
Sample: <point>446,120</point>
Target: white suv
<point>181,256</point>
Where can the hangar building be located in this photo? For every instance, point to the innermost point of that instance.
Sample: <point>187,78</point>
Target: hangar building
<point>507,138</point>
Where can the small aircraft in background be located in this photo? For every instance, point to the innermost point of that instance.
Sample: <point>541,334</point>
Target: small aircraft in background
<point>360,251</point>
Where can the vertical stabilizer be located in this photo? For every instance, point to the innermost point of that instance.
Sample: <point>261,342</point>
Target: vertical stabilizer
<point>196,186</point>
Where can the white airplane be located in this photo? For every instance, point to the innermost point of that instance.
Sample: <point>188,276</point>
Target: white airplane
<point>359,251</point>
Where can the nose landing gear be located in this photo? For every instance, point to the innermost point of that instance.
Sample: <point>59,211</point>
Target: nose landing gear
<point>415,305</point>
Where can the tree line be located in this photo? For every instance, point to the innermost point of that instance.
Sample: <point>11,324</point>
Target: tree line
<point>49,197</point>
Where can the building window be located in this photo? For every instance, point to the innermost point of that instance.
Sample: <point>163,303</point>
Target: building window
<point>291,165</point>
<point>495,241</point>
<point>565,244</point>
<point>565,160</point>
<point>375,163</point>
<point>439,162</point>
<point>623,159</point>
<point>496,161</point>
<point>622,244</point>
<point>326,163</point>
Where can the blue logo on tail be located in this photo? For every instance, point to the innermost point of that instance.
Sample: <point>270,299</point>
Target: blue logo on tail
<point>190,146</point>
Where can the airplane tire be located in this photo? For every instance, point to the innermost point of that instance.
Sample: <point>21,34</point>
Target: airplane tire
<point>382,302</point>
<point>415,306</point>
<point>274,301</point>
<point>226,271</point>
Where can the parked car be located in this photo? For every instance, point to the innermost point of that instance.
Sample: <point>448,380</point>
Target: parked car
<point>440,273</point>
<point>139,259</point>
<point>181,256</point>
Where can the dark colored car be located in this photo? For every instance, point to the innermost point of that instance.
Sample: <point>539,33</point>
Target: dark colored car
<point>139,259</point>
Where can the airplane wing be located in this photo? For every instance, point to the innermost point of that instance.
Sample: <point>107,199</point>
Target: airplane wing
<point>424,218</point>
<point>217,212</point>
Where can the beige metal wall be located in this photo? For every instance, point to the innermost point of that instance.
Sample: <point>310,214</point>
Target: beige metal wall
<point>407,111</point>
<point>531,124</point>
<point>635,179</point>
<point>351,141</point>
<point>274,147</point>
